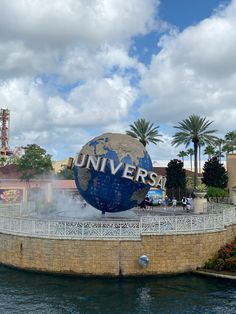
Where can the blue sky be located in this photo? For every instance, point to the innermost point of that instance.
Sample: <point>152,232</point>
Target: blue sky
<point>71,70</point>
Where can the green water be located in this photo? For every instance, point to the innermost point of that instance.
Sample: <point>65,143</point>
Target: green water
<point>22,292</point>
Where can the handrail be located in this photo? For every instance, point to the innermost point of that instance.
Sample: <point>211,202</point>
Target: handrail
<point>114,229</point>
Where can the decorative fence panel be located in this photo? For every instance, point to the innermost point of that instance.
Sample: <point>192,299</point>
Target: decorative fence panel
<point>114,229</point>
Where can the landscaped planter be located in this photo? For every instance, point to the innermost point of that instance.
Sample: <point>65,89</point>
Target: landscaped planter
<point>199,202</point>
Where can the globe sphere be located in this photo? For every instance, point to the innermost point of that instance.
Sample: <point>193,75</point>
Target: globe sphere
<point>105,188</point>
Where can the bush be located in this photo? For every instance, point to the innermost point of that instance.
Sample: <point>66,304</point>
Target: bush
<point>230,264</point>
<point>217,192</point>
<point>210,264</point>
<point>225,259</point>
<point>219,264</point>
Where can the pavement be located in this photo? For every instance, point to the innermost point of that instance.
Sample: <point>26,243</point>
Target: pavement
<point>212,273</point>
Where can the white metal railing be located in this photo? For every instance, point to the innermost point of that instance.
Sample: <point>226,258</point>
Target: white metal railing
<point>71,229</point>
<point>187,223</point>
<point>214,208</point>
<point>113,229</point>
<point>16,209</point>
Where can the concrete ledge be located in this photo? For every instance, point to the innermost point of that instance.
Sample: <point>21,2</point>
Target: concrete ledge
<point>210,273</point>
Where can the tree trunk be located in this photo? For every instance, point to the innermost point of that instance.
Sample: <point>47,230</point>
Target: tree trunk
<point>199,157</point>
<point>195,148</point>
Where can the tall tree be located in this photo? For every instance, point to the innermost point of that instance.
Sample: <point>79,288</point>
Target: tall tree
<point>219,143</point>
<point>200,144</point>
<point>182,154</point>
<point>190,153</point>
<point>230,141</point>
<point>214,173</point>
<point>175,175</point>
<point>35,162</point>
<point>210,151</point>
<point>65,174</point>
<point>145,132</point>
<point>194,129</point>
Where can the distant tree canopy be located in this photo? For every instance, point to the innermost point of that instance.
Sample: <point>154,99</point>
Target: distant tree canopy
<point>175,175</point>
<point>214,173</point>
<point>35,162</point>
<point>65,174</point>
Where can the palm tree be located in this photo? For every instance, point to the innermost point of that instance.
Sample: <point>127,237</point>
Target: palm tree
<point>228,148</point>
<point>219,142</point>
<point>194,130</point>
<point>230,140</point>
<point>200,144</point>
<point>190,153</point>
<point>145,132</point>
<point>210,151</point>
<point>182,154</point>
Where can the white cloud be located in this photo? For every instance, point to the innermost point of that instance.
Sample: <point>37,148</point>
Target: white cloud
<point>46,45</point>
<point>195,72</point>
<point>96,103</point>
<point>70,38</point>
<point>60,22</point>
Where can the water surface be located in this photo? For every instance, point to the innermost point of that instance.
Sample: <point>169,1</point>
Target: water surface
<point>22,292</point>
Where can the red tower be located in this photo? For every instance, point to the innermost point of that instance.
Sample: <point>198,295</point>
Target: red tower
<point>4,129</point>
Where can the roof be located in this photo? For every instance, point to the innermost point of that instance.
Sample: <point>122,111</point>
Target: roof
<point>9,172</point>
<point>63,184</point>
<point>161,171</point>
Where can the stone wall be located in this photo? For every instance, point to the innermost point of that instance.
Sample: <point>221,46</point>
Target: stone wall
<point>231,169</point>
<point>168,254</point>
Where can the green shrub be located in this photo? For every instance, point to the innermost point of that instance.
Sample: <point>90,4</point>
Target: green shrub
<point>210,264</point>
<point>230,264</point>
<point>217,192</point>
<point>219,264</point>
<point>225,259</point>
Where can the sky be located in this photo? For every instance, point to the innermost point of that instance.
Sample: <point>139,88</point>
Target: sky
<point>71,70</point>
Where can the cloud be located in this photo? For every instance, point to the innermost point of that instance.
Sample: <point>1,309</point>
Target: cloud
<point>70,38</point>
<point>96,103</point>
<point>195,72</point>
<point>60,22</point>
<point>65,66</point>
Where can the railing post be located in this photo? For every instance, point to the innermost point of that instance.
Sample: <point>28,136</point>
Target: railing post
<point>101,229</point>
<point>120,230</point>
<point>159,224</point>
<point>191,223</point>
<point>49,227</point>
<point>82,230</point>
<point>204,222</point>
<point>176,225</point>
<point>223,218</point>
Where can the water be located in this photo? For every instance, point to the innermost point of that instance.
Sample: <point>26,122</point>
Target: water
<point>22,292</point>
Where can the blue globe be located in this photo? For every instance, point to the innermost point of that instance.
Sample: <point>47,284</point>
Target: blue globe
<point>106,191</point>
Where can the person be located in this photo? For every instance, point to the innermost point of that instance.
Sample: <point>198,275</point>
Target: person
<point>142,205</point>
<point>189,202</point>
<point>147,202</point>
<point>151,203</point>
<point>166,201</point>
<point>84,204</point>
<point>174,203</point>
<point>184,203</point>
<point>188,206</point>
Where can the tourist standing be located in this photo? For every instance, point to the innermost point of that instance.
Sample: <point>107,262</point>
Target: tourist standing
<point>184,202</point>
<point>189,202</point>
<point>166,201</point>
<point>174,203</point>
